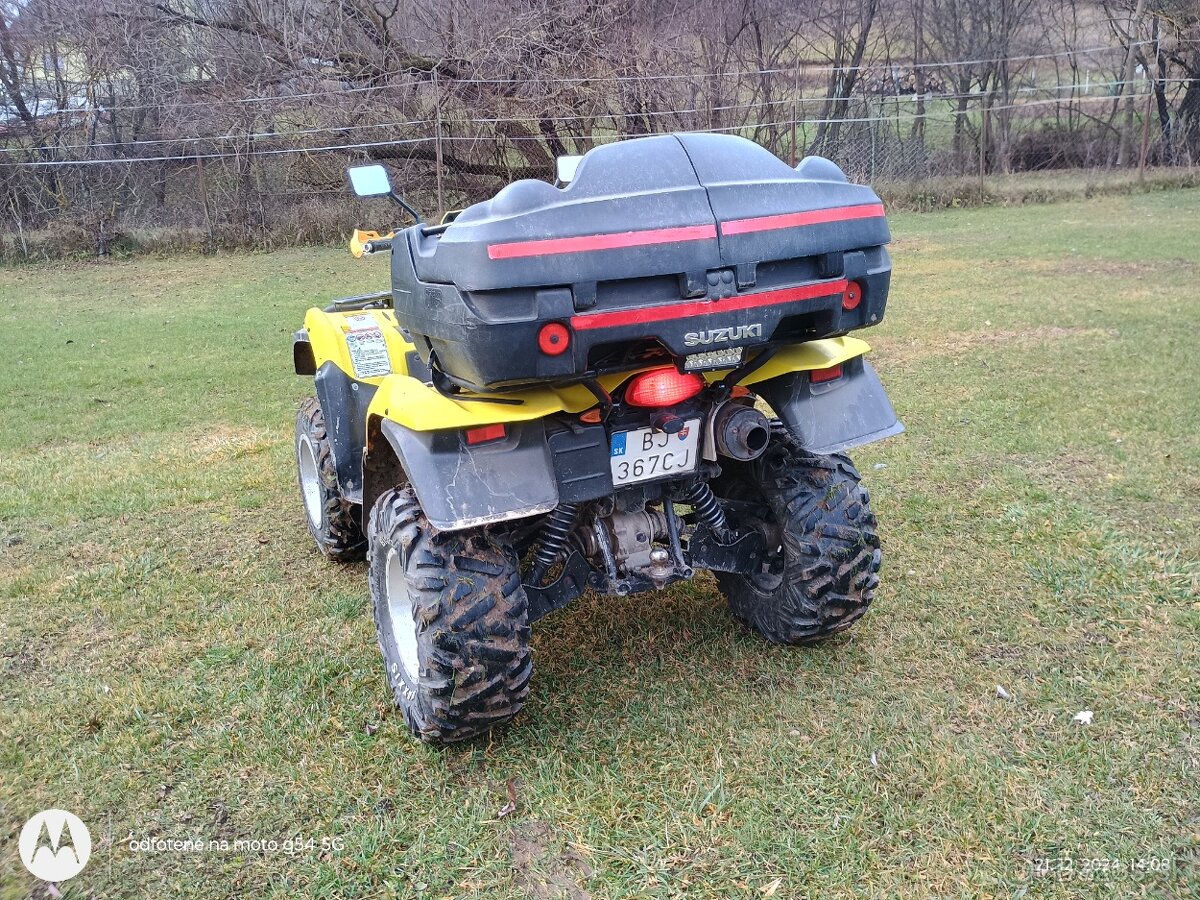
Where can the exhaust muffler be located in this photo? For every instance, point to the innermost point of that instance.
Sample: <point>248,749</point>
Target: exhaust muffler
<point>740,432</point>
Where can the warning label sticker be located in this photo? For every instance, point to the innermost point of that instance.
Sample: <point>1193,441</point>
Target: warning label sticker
<point>368,349</point>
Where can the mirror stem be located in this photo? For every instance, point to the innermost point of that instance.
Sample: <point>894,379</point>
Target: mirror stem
<point>408,207</point>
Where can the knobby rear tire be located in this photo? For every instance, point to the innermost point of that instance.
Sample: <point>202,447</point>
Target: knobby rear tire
<point>470,650</point>
<point>831,553</point>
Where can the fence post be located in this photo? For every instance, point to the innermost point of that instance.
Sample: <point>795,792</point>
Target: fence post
<point>983,139</point>
<point>795,113</point>
<point>437,142</point>
<point>208,223</point>
<point>1145,137</point>
<point>872,126</point>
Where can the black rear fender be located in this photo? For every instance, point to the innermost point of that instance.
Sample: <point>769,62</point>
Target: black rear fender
<point>836,415</point>
<point>533,468</point>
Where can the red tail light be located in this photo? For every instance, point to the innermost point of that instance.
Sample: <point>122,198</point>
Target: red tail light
<point>553,339</point>
<point>852,296</point>
<point>484,433</point>
<point>663,387</point>
<point>817,376</point>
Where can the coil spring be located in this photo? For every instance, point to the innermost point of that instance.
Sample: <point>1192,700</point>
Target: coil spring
<point>708,510</point>
<point>554,537</point>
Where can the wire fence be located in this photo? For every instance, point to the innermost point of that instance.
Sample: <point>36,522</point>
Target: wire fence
<point>269,169</point>
<point>1101,91</point>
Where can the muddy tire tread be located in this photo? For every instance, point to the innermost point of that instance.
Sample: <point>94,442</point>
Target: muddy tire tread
<point>830,542</point>
<point>339,536</point>
<point>472,622</point>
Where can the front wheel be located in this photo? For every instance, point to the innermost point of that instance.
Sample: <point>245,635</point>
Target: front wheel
<point>825,568</point>
<point>332,520</point>
<point>452,622</point>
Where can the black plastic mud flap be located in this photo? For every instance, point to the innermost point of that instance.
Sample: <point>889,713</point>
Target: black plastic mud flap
<point>463,486</point>
<point>835,415</point>
<point>345,402</point>
<point>302,353</point>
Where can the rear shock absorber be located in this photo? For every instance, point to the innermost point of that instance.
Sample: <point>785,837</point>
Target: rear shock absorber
<point>554,537</point>
<point>708,510</point>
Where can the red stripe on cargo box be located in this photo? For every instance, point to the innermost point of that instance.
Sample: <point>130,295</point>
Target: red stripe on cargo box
<point>795,220</point>
<point>663,313</point>
<point>549,246</point>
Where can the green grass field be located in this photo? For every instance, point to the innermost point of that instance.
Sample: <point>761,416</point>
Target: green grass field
<point>179,662</point>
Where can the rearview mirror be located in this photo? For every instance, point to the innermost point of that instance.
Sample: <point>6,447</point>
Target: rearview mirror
<point>369,181</point>
<point>565,168</point>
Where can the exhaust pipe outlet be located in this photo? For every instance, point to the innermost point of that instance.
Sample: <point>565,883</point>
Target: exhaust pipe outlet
<point>741,432</point>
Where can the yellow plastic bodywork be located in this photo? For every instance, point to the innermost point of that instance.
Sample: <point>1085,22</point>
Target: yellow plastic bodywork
<point>418,406</point>
<point>327,335</point>
<point>415,405</point>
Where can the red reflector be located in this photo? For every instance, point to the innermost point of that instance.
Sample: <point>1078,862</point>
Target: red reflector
<point>852,296</point>
<point>663,387</point>
<point>816,376</point>
<point>484,433</point>
<point>592,416</point>
<point>554,339</point>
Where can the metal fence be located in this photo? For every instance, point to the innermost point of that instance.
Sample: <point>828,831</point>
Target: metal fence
<point>280,179</point>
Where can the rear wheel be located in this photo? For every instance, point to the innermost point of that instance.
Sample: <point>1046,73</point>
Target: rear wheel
<point>332,521</point>
<point>826,566</point>
<point>452,622</point>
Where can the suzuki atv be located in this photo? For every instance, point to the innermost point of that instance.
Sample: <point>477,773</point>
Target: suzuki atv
<point>608,383</point>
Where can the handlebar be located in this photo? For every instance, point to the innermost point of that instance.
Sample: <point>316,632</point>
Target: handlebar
<point>376,246</point>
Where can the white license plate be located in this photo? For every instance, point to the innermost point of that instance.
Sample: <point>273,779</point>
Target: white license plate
<point>644,453</point>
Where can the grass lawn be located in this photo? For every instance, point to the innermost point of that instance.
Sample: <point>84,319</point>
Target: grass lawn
<point>179,662</point>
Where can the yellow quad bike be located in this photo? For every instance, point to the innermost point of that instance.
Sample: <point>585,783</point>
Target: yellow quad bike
<point>607,383</point>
